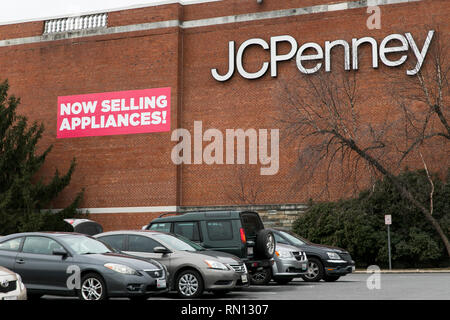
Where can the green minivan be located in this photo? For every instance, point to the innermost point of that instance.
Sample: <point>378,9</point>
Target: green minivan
<point>240,233</point>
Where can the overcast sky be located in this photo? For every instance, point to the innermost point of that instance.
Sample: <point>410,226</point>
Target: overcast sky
<point>29,10</point>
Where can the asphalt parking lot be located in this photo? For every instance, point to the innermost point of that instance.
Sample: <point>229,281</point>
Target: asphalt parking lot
<point>405,286</point>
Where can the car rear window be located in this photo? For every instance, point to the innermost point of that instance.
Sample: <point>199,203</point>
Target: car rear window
<point>11,245</point>
<point>141,244</point>
<point>219,230</point>
<point>40,245</point>
<point>188,230</point>
<point>251,224</point>
<point>163,227</point>
<point>115,241</point>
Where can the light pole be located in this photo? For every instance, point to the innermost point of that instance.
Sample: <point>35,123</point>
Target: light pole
<point>388,222</point>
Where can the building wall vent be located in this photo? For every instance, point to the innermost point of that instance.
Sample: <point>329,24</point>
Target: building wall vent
<point>93,21</point>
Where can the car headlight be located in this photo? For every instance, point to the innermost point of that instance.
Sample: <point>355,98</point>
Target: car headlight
<point>215,265</point>
<point>333,256</point>
<point>284,254</point>
<point>19,280</point>
<point>120,268</point>
<point>160,265</point>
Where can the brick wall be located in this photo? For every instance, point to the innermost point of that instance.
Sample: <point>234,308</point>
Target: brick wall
<point>123,221</point>
<point>21,30</point>
<point>136,170</point>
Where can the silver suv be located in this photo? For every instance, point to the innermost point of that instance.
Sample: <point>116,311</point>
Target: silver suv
<point>290,263</point>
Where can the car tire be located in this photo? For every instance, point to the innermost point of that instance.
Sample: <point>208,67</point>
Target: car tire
<point>283,281</point>
<point>265,244</point>
<point>330,278</point>
<point>92,287</point>
<point>261,277</point>
<point>315,270</point>
<point>189,284</point>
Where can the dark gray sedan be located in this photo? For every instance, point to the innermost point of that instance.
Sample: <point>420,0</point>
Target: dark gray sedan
<point>192,269</point>
<point>75,264</point>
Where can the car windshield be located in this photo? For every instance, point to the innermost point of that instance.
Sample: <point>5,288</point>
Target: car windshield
<point>85,245</point>
<point>179,243</point>
<point>294,239</point>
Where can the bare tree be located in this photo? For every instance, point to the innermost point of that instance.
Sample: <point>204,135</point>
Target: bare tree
<point>326,114</point>
<point>423,99</point>
<point>245,189</point>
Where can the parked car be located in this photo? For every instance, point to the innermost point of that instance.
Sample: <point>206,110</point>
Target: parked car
<point>11,286</point>
<point>240,233</point>
<point>290,263</point>
<point>85,226</point>
<point>324,262</point>
<point>48,264</point>
<point>192,269</point>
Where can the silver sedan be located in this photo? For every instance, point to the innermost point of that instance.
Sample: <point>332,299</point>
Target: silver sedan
<point>192,269</point>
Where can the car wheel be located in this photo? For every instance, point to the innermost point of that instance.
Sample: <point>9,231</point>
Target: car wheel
<point>189,284</point>
<point>315,270</point>
<point>265,244</point>
<point>283,281</point>
<point>330,278</point>
<point>261,277</point>
<point>92,287</point>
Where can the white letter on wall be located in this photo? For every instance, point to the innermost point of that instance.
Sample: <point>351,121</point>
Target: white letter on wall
<point>240,53</point>
<point>230,72</point>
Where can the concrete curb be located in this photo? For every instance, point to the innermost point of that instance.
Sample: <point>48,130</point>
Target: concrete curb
<point>407,271</point>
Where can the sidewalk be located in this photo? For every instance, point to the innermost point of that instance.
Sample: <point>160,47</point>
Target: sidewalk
<point>436,270</point>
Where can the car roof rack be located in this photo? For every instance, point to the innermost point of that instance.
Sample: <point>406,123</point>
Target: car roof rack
<point>201,211</point>
<point>173,212</point>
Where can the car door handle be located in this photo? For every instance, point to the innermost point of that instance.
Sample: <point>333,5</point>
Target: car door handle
<point>20,261</point>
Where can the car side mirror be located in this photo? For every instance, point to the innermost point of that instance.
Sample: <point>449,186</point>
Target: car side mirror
<point>161,250</point>
<point>59,252</point>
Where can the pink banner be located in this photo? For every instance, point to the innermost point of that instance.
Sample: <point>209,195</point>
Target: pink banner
<point>111,113</point>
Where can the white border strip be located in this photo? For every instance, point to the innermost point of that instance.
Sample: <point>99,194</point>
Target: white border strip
<point>284,13</point>
<point>90,33</point>
<point>130,7</point>
<point>123,210</point>
<point>203,22</point>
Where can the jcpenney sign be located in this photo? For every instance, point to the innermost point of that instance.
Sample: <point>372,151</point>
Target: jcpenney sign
<point>394,43</point>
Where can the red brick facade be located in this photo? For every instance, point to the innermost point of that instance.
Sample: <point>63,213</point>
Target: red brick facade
<point>136,170</point>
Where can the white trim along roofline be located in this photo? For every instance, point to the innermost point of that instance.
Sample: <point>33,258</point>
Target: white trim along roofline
<point>130,7</point>
<point>203,22</point>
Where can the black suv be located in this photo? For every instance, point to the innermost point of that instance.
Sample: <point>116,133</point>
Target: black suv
<point>240,233</point>
<point>324,262</point>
